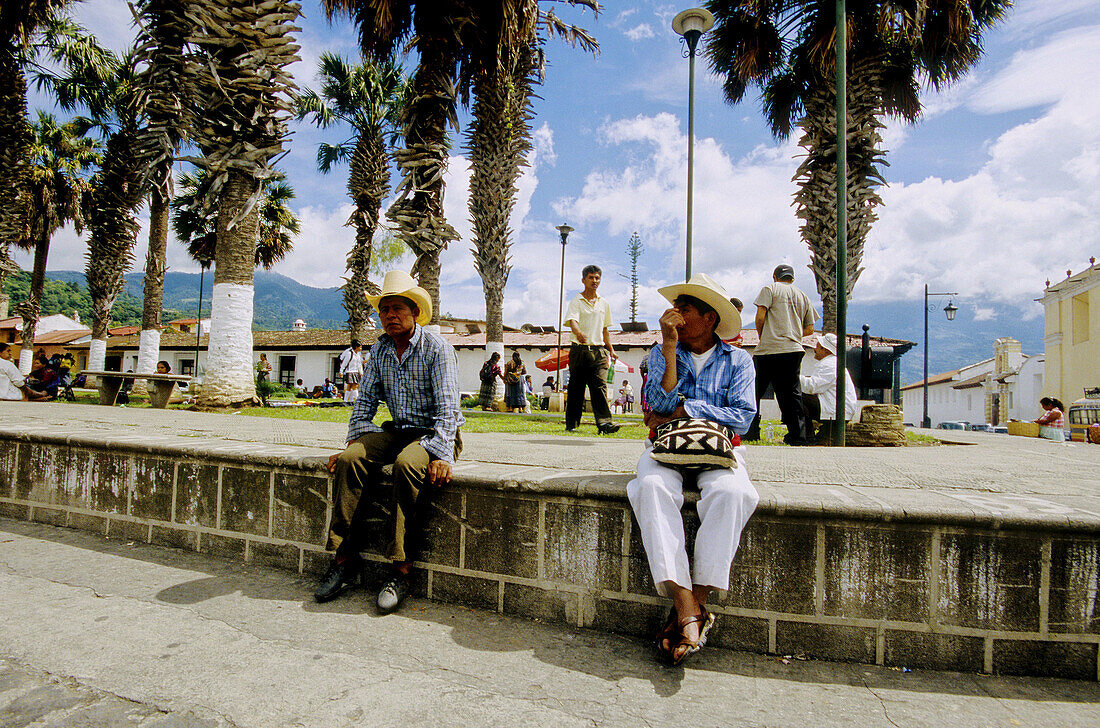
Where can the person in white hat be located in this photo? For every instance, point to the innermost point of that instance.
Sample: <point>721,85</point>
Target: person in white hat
<point>819,386</point>
<point>416,373</point>
<point>694,373</point>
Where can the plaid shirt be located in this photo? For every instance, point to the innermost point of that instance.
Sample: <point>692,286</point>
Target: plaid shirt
<point>724,392</point>
<point>421,390</point>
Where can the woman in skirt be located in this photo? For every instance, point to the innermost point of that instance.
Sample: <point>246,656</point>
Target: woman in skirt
<point>490,371</point>
<point>514,370</point>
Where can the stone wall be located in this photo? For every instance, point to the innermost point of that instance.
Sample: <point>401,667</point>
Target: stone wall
<point>894,586</point>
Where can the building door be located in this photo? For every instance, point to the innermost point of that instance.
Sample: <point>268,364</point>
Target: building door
<point>286,370</point>
<point>995,409</point>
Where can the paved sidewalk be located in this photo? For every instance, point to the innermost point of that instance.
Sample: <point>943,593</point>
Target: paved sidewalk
<point>97,632</point>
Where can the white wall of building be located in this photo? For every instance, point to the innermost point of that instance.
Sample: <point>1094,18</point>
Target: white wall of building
<point>1028,389</point>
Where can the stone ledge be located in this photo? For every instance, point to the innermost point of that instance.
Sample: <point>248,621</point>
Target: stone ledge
<point>903,505</point>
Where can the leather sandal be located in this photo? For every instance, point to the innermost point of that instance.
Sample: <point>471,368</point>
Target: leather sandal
<point>706,621</point>
<point>668,632</point>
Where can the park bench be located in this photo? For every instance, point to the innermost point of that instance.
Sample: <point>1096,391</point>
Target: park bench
<point>160,390</point>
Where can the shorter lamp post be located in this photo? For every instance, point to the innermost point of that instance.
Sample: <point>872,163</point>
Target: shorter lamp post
<point>564,230</point>
<point>950,309</point>
<point>691,24</point>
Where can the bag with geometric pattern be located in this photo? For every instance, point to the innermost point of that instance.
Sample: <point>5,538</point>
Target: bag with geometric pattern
<point>693,444</point>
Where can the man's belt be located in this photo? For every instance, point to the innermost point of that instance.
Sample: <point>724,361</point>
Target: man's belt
<point>588,346</point>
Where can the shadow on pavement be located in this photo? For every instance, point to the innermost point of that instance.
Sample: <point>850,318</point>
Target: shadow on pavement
<point>606,656</point>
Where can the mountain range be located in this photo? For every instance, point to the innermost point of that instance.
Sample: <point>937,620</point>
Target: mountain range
<point>952,344</point>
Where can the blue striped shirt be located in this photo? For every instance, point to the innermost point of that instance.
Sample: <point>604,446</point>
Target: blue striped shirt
<point>420,389</point>
<point>725,391</point>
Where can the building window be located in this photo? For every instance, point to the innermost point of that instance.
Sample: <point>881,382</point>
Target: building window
<point>286,371</point>
<point>1081,318</point>
<point>187,367</point>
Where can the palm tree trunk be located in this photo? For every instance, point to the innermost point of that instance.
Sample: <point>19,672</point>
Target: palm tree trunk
<point>149,343</point>
<point>368,185</point>
<point>116,195</point>
<point>15,142</point>
<point>499,140</point>
<point>228,380</point>
<point>32,307</point>
<point>418,210</point>
<point>816,197</point>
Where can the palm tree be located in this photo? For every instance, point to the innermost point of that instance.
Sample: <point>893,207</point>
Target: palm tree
<point>370,99</point>
<point>163,30</point>
<point>21,38</point>
<point>59,155</point>
<point>240,88</point>
<point>787,50</point>
<point>436,27</point>
<point>197,228</point>
<point>502,60</point>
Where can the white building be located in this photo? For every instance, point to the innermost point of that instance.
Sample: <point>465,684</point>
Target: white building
<point>995,390</point>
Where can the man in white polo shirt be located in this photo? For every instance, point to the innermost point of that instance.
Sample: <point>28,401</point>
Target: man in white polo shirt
<point>590,352</point>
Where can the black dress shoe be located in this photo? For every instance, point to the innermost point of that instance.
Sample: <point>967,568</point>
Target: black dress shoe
<point>338,579</point>
<point>608,429</point>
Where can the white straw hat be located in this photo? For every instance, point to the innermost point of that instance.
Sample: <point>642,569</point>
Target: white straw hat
<point>710,292</point>
<point>400,283</point>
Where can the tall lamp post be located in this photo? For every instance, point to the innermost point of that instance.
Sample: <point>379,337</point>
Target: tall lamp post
<point>564,230</point>
<point>691,24</point>
<point>950,310</point>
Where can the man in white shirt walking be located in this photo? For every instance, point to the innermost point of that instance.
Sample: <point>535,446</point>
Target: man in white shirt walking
<point>819,386</point>
<point>351,369</point>
<point>590,353</point>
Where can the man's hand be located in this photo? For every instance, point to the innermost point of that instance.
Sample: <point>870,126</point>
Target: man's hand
<point>332,461</point>
<point>653,419</point>
<point>670,319</point>
<point>439,473</point>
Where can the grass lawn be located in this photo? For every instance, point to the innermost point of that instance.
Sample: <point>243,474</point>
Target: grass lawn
<point>478,421</point>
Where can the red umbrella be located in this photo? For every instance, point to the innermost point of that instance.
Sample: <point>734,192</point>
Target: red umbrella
<point>555,360</point>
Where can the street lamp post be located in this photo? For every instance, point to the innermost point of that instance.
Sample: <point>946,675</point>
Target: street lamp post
<point>950,310</point>
<point>691,24</point>
<point>564,230</point>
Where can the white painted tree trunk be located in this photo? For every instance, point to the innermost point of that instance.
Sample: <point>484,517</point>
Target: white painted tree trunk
<point>148,354</point>
<point>25,357</point>
<point>228,379</point>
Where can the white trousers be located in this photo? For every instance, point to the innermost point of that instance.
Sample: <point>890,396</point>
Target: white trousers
<point>727,500</point>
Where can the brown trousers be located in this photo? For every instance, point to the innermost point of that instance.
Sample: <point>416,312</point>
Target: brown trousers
<point>359,467</point>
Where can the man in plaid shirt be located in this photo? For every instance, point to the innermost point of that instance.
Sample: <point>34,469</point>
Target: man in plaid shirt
<point>416,373</point>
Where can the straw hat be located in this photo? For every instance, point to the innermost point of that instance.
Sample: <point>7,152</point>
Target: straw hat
<point>828,342</point>
<point>710,292</point>
<point>400,283</point>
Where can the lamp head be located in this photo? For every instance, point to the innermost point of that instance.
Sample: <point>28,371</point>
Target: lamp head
<point>693,20</point>
<point>564,230</point>
<point>950,310</point>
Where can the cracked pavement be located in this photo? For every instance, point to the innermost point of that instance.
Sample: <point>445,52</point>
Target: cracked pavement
<point>102,632</point>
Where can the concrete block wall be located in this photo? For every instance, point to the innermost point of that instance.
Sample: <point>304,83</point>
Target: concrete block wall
<point>899,588</point>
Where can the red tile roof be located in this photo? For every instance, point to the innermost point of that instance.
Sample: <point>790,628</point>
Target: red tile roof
<point>61,337</point>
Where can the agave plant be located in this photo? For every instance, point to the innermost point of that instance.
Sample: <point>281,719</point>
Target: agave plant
<point>370,98</point>
<point>787,49</point>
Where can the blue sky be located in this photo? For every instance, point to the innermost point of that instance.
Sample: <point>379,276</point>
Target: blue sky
<point>994,191</point>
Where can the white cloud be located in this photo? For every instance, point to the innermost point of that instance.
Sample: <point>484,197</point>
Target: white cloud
<point>985,314</point>
<point>743,222</point>
<point>640,32</point>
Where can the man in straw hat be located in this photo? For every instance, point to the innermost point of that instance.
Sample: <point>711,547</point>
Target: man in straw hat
<point>694,373</point>
<point>416,373</point>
